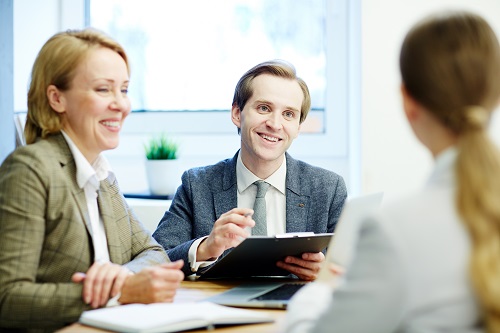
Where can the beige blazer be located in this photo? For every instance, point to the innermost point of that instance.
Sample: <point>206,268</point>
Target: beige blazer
<point>44,236</point>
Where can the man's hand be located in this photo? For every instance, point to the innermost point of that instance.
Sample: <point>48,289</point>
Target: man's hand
<point>228,231</point>
<point>153,284</point>
<point>336,269</point>
<point>101,282</point>
<point>306,268</point>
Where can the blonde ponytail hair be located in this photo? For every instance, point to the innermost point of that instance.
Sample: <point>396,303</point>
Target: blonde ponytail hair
<point>478,197</point>
<point>450,63</point>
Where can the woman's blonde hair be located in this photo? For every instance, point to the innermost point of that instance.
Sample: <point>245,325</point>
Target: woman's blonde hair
<point>56,64</point>
<point>450,63</point>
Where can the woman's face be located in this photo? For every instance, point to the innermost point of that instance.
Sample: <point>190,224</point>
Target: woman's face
<point>96,104</point>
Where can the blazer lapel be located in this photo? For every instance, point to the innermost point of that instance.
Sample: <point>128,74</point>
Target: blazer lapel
<point>226,196</point>
<point>111,227</point>
<point>81,201</point>
<point>66,161</point>
<point>297,198</point>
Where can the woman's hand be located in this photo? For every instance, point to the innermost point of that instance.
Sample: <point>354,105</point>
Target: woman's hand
<point>101,282</point>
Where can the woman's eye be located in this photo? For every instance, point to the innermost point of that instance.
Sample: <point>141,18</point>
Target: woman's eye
<point>103,90</point>
<point>125,91</point>
<point>263,108</point>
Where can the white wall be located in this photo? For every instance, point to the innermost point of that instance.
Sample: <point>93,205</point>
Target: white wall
<point>34,23</point>
<point>393,161</point>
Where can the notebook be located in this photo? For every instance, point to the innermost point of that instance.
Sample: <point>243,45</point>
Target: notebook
<point>277,294</point>
<point>169,317</point>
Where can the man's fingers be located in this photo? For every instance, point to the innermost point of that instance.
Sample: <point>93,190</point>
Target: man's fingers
<point>242,217</point>
<point>316,257</point>
<point>301,272</point>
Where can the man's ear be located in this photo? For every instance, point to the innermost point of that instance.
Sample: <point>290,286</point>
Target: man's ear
<point>56,99</point>
<point>410,105</point>
<point>236,115</point>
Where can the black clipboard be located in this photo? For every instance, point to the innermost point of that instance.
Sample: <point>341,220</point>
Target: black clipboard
<point>256,256</point>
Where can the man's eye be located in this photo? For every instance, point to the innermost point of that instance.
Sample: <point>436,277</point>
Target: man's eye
<point>264,108</point>
<point>289,114</point>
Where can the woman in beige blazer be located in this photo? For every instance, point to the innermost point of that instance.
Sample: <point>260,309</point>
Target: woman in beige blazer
<point>430,262</point>
<point>68,240</point>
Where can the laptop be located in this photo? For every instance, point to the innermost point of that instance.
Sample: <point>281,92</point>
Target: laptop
<point>276,294</point>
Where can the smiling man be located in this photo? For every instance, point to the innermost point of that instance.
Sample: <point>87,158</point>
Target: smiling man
<point>212,209</point>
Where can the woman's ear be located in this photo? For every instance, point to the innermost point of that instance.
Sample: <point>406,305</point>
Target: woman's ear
<point>56,99</point>
<point>410,106</point>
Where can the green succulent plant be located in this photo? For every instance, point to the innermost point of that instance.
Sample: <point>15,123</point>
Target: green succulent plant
<point>161,147</point>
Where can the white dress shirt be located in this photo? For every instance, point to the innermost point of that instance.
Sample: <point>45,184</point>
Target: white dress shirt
<point>275,196</point>
<point>275,204</point>
<point>88,177</point>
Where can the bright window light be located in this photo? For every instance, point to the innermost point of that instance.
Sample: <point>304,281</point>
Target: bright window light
<point>188,55</point>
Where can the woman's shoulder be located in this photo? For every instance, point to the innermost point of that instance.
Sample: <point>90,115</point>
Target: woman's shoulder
<point>43,152</point>
<point>418,215</point>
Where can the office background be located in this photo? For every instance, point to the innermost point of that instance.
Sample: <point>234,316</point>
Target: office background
<point>381,153</point>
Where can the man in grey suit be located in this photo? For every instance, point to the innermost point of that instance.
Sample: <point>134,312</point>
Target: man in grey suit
<point>211,211</point>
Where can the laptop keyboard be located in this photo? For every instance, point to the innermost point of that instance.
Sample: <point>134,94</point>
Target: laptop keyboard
<point>284,292</point>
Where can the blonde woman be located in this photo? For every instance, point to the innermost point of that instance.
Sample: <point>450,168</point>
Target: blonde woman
<point>68,240</point>
<point>431,261</point>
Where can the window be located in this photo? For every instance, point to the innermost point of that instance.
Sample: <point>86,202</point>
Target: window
<point>188,55</point>
<point>330,139</point>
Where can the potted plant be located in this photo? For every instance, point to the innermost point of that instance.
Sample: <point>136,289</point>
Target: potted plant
<point>162,164</point>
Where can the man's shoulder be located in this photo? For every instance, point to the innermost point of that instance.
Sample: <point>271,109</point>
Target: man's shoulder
<point>210,170</point>
<point>309,171</point>
<point>303,178</point>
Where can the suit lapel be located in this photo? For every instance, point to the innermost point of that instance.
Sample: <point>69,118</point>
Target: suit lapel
<point>66,161</point>
<point>225,195</point>
<point>81,201</point>
<point>297,198</point>
<point>106,209</point>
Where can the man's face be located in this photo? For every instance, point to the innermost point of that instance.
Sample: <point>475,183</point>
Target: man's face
<point>269,121</point>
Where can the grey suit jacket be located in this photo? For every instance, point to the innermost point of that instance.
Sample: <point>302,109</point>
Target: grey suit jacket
<point>314,200</point>
<point>44,236</point>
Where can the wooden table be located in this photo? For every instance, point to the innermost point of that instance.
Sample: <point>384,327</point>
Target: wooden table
<point>193,291</point>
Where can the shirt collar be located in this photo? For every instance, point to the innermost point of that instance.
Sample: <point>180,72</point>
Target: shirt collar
<point>444,163</point>
<point>86,172</point>
<point>245,177</point>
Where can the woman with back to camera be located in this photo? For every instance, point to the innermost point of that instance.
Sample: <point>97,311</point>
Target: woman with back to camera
<point>430,262</point>
<point>68,240</point>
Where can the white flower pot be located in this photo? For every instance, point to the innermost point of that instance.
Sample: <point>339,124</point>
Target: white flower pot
<point>164,176</point>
